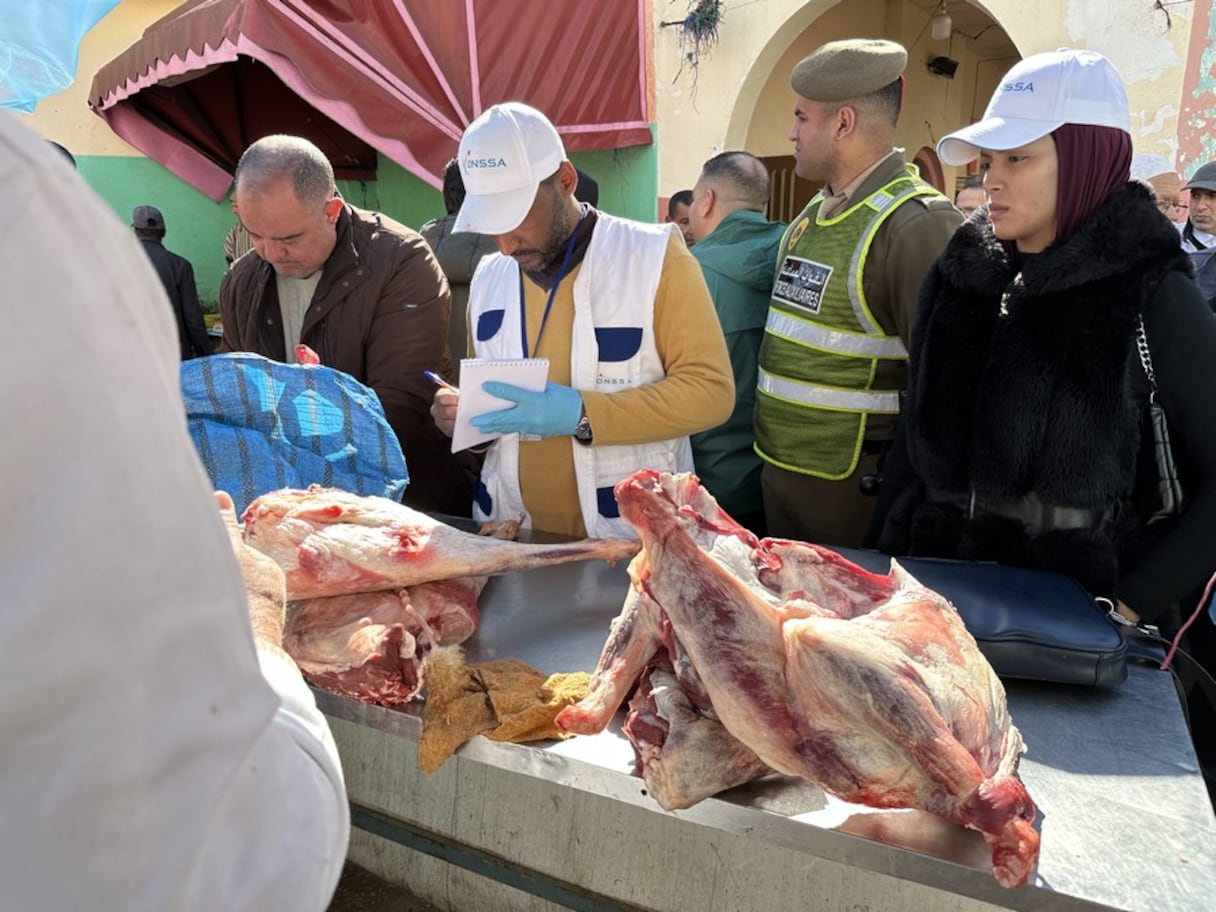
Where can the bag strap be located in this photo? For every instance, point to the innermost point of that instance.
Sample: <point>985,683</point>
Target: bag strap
<point>1146,359</point>
<point>1188,232</point>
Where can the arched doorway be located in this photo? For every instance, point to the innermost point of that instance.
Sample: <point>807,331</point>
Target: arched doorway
<point>930,167</point>
<point>937,99</point>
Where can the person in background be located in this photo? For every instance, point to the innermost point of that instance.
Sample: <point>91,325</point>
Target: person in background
<point>588,189</point>
<point>736,246</point>
<point>177,276</point>
<point>1166,183</point>
<point>458,254</point>
<point>1024,422</point>
<point>63,150</point>
<point>362,291</point>
<point>158,742</point>
<point>1199,231</point>
<point>970,195</point>
<point>833,359</point>
<point>637,361</point>
<point>677,214</point>
<point>237,242</point>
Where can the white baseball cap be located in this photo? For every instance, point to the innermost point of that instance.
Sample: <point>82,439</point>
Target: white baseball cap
<point>1146,165</point>
<point>1041,94</point>
<point>504,155</point>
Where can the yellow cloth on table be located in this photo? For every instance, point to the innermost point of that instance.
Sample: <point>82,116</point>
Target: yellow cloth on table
<point>505,700</point>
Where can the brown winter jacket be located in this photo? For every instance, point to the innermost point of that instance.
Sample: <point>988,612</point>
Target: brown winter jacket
<point>380,314</point>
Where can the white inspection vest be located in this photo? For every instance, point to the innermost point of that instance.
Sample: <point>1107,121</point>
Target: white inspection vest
<point>612,349</point>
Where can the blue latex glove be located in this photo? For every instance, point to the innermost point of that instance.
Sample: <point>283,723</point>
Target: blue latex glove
<point>552,413</point>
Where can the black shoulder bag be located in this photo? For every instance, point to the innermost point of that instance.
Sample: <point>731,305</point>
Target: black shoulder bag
<point>1169,500</point>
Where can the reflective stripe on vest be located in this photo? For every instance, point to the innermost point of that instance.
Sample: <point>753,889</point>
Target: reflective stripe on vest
<point>822,345</point>
<point>839,341</point>
<point>827,397</point>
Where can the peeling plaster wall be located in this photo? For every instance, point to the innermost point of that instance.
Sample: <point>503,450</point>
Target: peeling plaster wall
<point>739,95</point>
<point>1197,120</point>
<point>1150,55</point>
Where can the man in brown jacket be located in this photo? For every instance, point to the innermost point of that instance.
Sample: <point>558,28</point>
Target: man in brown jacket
<point>361,290</point>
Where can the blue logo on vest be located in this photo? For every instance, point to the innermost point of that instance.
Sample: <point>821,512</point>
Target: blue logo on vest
<point>1018,87</point>
<point>618,343</point>
<point>488,324</point>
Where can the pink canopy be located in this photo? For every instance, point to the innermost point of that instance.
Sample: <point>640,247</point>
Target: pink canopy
<point>403,77</point>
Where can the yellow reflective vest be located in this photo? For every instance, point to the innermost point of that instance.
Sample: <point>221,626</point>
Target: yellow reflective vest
<point>822,345</point>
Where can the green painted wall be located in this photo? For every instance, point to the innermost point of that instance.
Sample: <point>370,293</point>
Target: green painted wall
<point>195,226</point>
<point>628,178</point>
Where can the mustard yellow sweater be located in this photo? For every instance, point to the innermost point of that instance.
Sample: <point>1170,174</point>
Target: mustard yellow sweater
<point>697,393</point>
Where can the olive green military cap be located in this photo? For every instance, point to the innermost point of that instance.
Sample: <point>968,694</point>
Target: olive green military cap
<point>840,70</point>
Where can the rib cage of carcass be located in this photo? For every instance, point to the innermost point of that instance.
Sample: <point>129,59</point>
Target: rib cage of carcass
<point>867,685</point>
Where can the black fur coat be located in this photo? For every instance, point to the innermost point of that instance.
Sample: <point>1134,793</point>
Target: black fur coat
<point>1023,379</point>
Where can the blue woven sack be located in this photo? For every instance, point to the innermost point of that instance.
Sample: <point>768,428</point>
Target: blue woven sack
<point>260,425</point>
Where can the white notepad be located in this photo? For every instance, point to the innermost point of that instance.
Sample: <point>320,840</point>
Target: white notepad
<point>528,373</point>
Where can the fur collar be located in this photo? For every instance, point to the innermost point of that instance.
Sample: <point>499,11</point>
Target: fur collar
<point>1026,387</point>
<point>1124,234</point>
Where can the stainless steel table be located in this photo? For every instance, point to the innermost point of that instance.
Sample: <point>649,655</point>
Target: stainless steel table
<point>1125,819</point>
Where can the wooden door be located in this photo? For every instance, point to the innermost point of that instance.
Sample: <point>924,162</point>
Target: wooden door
<point>789,193</point>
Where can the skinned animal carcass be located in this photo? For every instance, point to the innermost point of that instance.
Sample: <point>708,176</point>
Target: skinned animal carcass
<point>683,752</point>
<point>372,645</point>
<point>867,685</point>
<point>330,542</point>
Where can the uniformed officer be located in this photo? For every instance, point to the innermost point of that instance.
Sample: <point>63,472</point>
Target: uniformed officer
<point>834,354</point>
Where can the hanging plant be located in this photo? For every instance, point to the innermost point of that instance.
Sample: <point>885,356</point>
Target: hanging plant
<point>698,33</point>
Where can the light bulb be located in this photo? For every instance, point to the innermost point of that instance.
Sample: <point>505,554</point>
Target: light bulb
<point>941,25</point>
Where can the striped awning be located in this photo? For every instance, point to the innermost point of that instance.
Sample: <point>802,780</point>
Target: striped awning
<point>402,77</point>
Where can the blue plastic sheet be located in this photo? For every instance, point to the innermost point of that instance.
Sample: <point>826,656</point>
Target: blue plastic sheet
<point>260,425</point>
<point>39,41</point>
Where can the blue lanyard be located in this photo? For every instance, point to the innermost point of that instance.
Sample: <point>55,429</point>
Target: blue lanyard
<point>523,311</point>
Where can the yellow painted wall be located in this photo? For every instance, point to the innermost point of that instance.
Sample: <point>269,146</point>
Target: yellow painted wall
<point>66,117</point>
<point>739,94</point>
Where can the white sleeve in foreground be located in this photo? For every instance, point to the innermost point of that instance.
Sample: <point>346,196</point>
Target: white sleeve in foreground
<point>302,840</point>
<point>150,759</point>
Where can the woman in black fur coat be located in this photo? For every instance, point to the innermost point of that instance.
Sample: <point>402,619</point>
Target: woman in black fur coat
<point>1026,394</point>
<point>1021,435</point>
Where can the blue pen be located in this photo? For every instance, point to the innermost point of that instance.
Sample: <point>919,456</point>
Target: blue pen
<point>439,381</point>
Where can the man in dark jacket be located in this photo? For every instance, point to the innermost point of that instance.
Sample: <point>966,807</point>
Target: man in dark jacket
<point>177,275</point>
<point>1199,230</point>
<point>736,246</point>
<point>458,254</point>
<point>362,291</point>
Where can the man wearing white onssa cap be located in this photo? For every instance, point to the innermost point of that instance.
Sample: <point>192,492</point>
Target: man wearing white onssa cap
<point>637,359</point>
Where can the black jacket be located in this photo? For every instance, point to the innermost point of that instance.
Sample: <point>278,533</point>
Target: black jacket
<point>177,275</point>
<point>1033,388</point>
